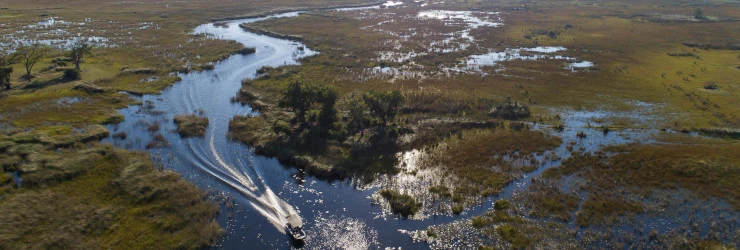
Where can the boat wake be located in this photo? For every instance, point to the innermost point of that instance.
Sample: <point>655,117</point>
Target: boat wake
<point>244,178</point>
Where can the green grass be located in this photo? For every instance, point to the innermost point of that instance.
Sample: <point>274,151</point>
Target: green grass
<point>512,235</point>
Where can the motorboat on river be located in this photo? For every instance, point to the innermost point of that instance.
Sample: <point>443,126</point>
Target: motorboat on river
<point>294,227</point>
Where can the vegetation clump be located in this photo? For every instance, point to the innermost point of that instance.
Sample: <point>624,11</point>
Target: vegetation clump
<point>158,141</point>
<point>305,129</point>
<point>247,51</point>
<point>511,111</point>
<point>548,202</point>
<point>191,125</point>
<point>402,204</point>
<point>510,234</point>
<point>501,204</point>
<point>598,209</point>
<point>474,155</point>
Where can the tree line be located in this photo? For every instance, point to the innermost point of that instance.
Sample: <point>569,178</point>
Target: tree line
<point>304,99</point>
<point>29,55</point>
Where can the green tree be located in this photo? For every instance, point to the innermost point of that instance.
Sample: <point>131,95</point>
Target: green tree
<point>358,114</point>
<point>29,55</point>
<point>300,97</point>
<point>384,105</point>
<point>78,51</point>
<point>328,97</point>
<point>295,97</point>
<point>6,69</point>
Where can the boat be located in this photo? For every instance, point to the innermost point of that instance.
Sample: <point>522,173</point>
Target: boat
<point>294,227</point>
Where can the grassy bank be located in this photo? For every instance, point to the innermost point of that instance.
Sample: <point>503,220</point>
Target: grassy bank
<point>95,196</point>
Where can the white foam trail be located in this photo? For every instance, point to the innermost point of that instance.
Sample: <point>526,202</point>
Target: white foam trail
<point>242,178</point>
<point>266,202</point>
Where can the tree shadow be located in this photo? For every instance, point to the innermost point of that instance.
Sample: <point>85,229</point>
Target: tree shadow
<point>43,84</point>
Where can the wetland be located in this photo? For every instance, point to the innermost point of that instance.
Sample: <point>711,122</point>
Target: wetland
<point>398,124</point>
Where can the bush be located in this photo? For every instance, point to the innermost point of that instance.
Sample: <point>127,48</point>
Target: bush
<point>457,209</point>
<point>511,111</point>
<point>480,222</point>
<point>402,204</point>
<point>247,51</point>
<point>711,86</point>
<point>513,236</point>
<point>281,127</point>
<point>501,204</point>
<point>72,74</point>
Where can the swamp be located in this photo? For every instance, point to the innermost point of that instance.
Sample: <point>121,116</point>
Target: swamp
<point>405,124</point>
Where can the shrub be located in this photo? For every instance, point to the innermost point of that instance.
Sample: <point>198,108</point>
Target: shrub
<point>247,51</point>
<point>402,204</point>
<point>513,236</point>
<point>501,204</point>
<point>711,85</point>
<point>457,209</point>
<point>281,127</point>
<point>480,222</point>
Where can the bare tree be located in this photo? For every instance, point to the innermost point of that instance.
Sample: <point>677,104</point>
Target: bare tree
<point>78,51</point>
<point>29,55</point>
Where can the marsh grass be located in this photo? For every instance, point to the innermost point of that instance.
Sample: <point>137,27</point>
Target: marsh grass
<point>94,196</point>
<point>602,208</point>
<point>549,202</point>
<point>477,156</point>
<point>191,125</point>
<point>512,235</point>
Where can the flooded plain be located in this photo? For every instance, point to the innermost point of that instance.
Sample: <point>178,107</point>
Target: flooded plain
<point>256,193</point>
